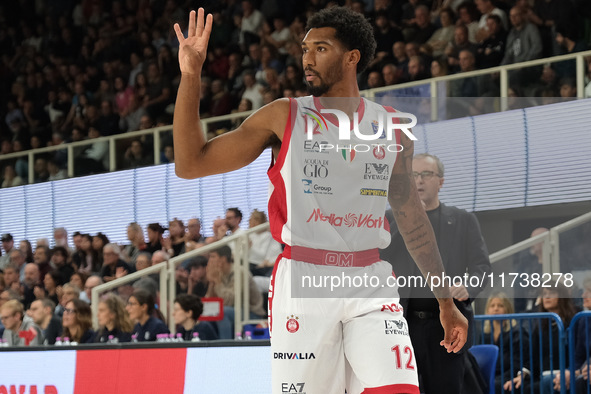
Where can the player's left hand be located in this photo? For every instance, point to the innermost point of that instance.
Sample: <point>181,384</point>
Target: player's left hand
<point>455,326</point>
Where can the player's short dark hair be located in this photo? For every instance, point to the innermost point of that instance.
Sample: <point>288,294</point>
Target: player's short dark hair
<point>353,30</point>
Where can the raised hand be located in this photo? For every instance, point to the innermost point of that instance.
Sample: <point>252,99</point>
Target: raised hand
<point>193,49</point>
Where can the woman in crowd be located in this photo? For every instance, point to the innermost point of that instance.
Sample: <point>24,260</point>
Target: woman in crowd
<point>52,282</point>
<point>556,299</point>
<point>77,322</point>
<point>141,309</point>
<point>186,312</point>
<point>27,249</point>
<point>98,242</point>
<point>155,231</point>
<point>113,320</point>
<point>86,259</point>
<point>505,335</point>
<point>78,279</point>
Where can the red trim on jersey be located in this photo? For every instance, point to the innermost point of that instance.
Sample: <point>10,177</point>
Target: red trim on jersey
<point>393,389</point>
<point>361,258</point>
<point>332,119</point>
<point>277,207</point>
<point>271,293</point>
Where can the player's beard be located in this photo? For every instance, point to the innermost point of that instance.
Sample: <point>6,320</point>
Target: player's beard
<point>333,75</point>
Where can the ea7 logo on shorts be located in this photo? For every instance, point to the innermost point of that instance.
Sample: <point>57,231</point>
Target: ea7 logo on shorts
<point>292,388</point>
<point>396,327</point>
<point>392,308</point>
<point>294,356</point>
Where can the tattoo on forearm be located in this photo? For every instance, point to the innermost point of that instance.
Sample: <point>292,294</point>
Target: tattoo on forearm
<point>413,248</point>
<point>414,230</point>
<point>399,189</point>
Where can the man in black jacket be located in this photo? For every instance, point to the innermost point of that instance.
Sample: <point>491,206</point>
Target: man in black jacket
<point>462,250</point>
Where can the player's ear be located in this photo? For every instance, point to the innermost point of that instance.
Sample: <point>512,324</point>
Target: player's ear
<point>353,57</point>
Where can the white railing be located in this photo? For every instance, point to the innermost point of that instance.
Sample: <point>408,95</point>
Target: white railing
<point>168,282</point>
<point>371,93</point>
<point>550,248</point>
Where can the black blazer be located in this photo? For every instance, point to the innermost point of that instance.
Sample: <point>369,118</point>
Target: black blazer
<point>462,250</point>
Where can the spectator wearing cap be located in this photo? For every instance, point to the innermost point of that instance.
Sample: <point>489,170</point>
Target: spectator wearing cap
<point>155,231</point>
<point>143,312</point>
<point>220,275</point>
<point>186,312</point>
<point>113,265</point>
<point>41,312</point>
<point>7,246</point>
<point>18,330</point>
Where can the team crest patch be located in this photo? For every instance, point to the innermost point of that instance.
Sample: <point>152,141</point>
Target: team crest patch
<point>376,129</point>
<point>379,152</point>
<point>292,324</point>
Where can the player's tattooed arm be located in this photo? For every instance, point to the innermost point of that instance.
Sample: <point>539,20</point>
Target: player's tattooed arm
<point>412,220</point>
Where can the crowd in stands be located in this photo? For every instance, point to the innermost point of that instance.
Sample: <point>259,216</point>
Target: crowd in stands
<point>74,70</point>
<point>47,291</point>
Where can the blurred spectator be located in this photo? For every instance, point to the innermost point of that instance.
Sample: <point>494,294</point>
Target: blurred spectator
<point>52,286</point>
<point>92,282</point>
<point>60,237</point>
<point>445,34</point>
<point>278,36</point>
<point>11,178</point>
<point>78,279</point>
<point>59,260</point>
<point>523,44</point>
<point>131,116</point>
<point>108,120</point>
<point>175,244</point>
<point>134,156</point>
<point>115,325</point>
<point>77,322</point>
<point>18,331</point>
<point>69,293</point>
<point>143,261</point>
<point>41,259</point>
<point>197,280</point>
<point>11,277</point>
<point>194,231</point>
<point>85,258</point>
<point>32,280</point>
<point>467,16</point>
<point>251,23</point>
<point>142,311</point>
<point>41,312</point>
<point>17,259</point>
<point>167,154</point>
<point>439,68</point>
<point>490,52</point>
<point>506,336</point>
<point>155,231</point>
<point>459,43</point>
<point>547,15</point>
<point>95,159</point>
<point>374,80</point>
<point>416,69</point>
<point>220,275</point>
<point>40,170</point>
<point>186,313</point>
<point>390,74</point>
<point>113,265</point>
<point>123,94</point>
<point>158,91</point>
<point>486,8</point>
<point>568,88</point>
<point>252,89</point>
<point>263,249</point>
<point>7,245</point>
<point>135,235</point>
<point>566,38</point>
<point>55,172</point>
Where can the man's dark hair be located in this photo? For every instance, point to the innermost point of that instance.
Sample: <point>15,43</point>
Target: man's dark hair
<point>236,211</point>
<point>224,251</point>
<point>353,30</point>
<point>196,262</point>
<point>60,250</point>
<point>190,302</point>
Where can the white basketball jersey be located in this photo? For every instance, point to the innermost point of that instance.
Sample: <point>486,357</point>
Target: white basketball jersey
<point>330,193</point>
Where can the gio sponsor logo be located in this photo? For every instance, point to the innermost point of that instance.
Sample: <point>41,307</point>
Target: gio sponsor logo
<point>293,356</point>
<point>374,192</point>
<point>313,188</point>
<point>349,220</point>
<point>293,388</point>
<point>315,168</point>
<point>292,324</point>
<point>376,172</point>
<point>396,327</point>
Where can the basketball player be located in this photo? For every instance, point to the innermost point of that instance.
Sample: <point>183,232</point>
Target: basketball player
<point>326,206</point>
